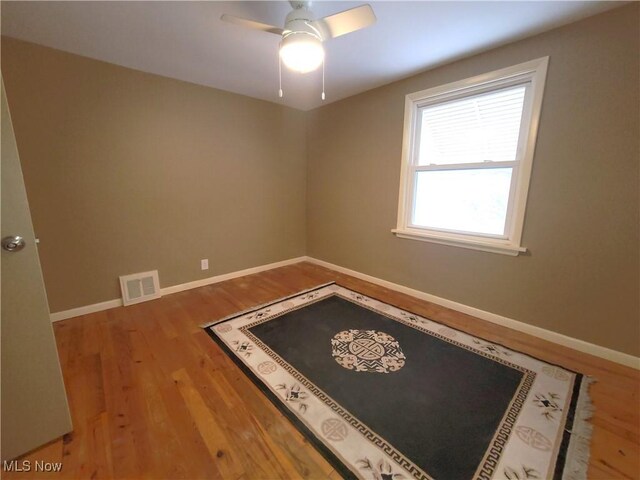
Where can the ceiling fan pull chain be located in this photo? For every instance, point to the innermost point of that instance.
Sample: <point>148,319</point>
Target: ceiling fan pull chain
<point>323,62</point>
<point>280,76</point>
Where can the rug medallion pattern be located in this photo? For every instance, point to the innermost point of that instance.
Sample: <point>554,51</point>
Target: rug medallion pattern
<point>367,351</point>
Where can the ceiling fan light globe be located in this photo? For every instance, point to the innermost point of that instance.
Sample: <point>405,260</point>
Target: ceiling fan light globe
<point>301,52</point>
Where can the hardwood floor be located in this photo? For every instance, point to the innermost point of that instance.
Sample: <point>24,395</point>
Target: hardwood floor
<point>153,397</point>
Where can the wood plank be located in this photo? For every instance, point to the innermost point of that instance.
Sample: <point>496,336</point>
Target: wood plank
<point>152,396</point>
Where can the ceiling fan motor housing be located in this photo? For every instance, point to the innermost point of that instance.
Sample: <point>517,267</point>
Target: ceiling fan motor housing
<point>301,21</point>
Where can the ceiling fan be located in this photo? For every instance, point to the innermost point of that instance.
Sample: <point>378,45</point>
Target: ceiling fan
<point>302,36</point>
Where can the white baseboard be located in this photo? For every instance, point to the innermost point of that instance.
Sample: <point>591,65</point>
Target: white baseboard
<point>76,312</point>
<point>576,344</point>
<point>117,302</point>
<point>555,337</point>
<point>228,276</point>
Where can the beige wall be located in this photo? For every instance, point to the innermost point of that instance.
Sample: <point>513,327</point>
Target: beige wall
<point>128,172</point>
<point>580,277</point>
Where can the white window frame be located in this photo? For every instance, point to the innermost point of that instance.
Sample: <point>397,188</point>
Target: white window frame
<point>533,75</point>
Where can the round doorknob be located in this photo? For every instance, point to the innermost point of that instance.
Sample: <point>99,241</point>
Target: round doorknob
<point>13,243</point>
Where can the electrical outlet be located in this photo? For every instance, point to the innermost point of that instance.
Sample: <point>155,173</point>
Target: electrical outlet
<point>204,264</point>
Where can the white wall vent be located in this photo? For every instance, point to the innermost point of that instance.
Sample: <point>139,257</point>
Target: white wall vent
<point>140,287</point>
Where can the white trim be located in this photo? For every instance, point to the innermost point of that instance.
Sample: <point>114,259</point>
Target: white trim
<point>470,243</point>
<point>532,73</point>
<point>580,345</point>
<point>97,307</point>
<point>555,337</point>
<point>85,310</point>
<point>228,276</point>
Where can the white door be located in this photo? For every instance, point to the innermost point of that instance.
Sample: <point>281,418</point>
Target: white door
<point>34,404</point>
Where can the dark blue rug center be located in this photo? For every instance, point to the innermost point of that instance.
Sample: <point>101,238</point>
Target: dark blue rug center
<point>440,408</point>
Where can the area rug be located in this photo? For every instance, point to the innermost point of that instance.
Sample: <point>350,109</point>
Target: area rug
<point>386,394</point>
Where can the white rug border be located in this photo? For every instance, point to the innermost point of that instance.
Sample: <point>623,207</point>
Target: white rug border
<point>576,456</point>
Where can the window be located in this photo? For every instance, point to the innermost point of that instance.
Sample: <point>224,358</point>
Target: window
<point>467,156</point>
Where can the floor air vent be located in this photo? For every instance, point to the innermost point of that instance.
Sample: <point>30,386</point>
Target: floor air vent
<point>140,287</point>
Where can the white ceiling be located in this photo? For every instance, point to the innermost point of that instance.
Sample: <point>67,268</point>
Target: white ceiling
<point>188,41</point>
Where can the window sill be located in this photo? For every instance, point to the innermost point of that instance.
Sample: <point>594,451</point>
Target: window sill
<point>473,244</point>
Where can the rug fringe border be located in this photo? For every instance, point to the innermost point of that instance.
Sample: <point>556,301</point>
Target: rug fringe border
<point>579,449</point>
<point>263,305</point>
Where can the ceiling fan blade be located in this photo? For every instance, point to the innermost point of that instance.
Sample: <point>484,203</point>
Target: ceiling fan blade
<point>346,22</point>
<point>243,22</point>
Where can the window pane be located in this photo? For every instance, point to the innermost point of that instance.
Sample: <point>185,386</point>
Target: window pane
<point>473,200</point>
<point>475,129</point>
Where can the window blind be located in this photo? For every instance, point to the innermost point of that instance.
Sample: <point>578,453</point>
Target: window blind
<point>481,128</point>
